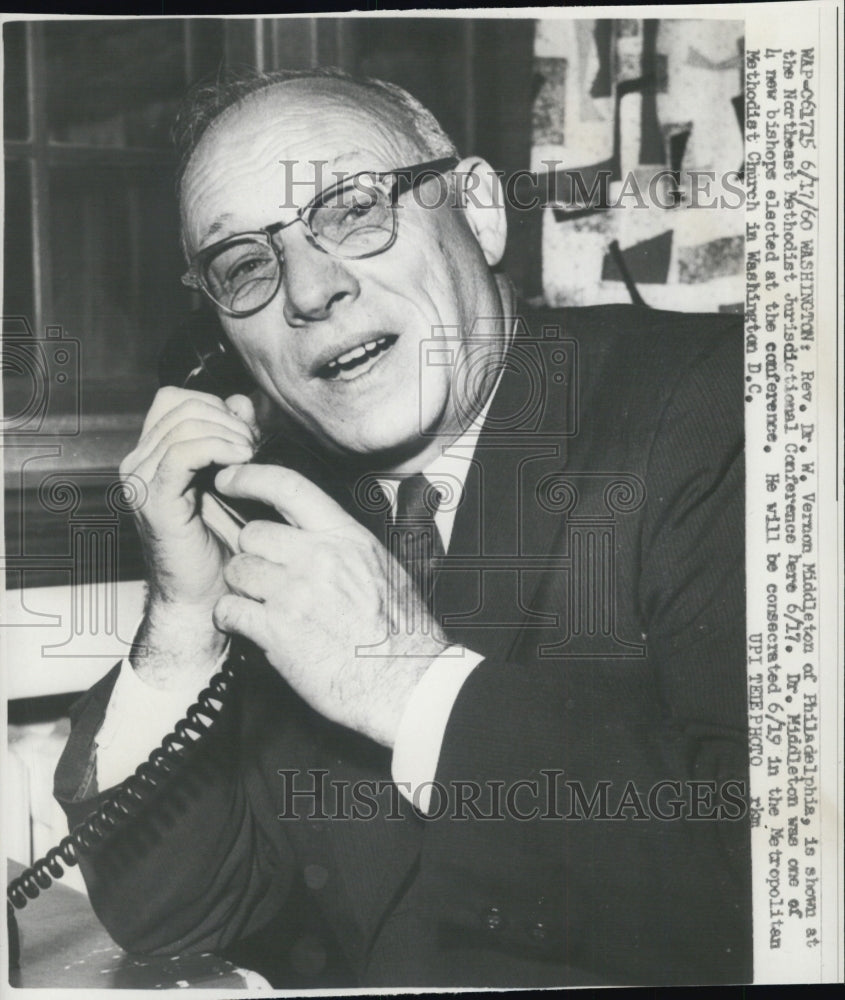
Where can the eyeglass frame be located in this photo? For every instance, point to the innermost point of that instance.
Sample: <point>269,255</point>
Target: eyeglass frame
<point>406,179</point>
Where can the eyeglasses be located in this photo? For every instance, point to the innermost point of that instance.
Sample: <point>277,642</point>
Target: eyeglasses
<point>353,219</point>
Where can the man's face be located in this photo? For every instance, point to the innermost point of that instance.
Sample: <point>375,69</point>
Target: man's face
<point>434,275</point>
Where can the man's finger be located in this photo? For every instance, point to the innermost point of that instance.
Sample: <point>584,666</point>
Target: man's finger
<point>169,397</point>
<point>296,498</point>
<point>254,577</point>
<point>277,542</point>
<point>241,616</point>
<point>243,408</point>
<point>192,412</point>
<point>174,466</point>
<point>194,430</point>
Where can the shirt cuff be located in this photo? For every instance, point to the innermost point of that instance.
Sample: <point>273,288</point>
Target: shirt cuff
<point>423,723</point>
<point>137,719</point>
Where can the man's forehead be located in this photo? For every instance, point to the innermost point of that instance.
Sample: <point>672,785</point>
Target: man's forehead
<point>316,118</point>
<point>300,132</point>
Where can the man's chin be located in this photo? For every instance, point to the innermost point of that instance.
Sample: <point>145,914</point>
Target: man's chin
<point>382,453</point>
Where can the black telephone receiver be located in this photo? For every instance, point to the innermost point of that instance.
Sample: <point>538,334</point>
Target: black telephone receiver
<point>197,357</point>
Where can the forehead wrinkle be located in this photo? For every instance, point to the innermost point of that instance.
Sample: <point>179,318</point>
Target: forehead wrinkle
<point>207,184</point>
<point>345,99</point>
<point>289,127</point>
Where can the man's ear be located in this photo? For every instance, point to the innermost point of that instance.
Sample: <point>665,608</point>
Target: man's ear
<point>483,201</point>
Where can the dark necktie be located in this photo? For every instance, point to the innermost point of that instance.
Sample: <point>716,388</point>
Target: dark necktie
<point>416,539</point>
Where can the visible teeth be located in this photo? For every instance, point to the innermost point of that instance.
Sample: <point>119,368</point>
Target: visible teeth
<point>356,352</point>
<point>357,355</point>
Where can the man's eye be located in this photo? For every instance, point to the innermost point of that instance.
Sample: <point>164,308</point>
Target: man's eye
<point>360,209</point>
<point>357,203</point>
<point>241,269</point>
<point>245,267</point>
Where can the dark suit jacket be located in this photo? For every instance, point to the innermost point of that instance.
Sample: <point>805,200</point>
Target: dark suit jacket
<point>597,561</point>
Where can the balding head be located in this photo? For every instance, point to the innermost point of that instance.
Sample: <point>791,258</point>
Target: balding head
<point>205,103</point>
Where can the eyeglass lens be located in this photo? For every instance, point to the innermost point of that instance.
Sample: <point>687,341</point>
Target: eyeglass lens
<point>354,220</point>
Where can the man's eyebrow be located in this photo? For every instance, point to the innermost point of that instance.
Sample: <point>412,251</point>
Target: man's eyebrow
<point>348,155</point>
<point>215,226</point>
<point>342,162</point>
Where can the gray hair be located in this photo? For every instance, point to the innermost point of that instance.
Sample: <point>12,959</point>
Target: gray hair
<point>205,102</point>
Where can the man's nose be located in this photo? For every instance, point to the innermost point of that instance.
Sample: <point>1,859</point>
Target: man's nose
<point>313,283</point>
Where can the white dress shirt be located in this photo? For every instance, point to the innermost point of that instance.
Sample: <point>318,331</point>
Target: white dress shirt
<point>139,716</point>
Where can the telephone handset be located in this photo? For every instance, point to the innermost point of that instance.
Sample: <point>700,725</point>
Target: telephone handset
<point>195,357</point>
<point>198,356</point>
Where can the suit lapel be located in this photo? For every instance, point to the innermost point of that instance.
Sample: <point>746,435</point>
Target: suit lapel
<point>511,511</point>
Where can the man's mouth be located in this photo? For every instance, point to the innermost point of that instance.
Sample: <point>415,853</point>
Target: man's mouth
<point>358,360</point>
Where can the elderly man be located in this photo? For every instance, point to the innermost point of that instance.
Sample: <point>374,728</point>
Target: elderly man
<point>489,724</point>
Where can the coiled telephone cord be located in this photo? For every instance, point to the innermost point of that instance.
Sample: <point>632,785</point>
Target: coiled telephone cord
<point>124,801</point>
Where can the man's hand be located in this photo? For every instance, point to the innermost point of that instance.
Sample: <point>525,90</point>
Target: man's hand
<point>184,432</point>
<point>333,612</point>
